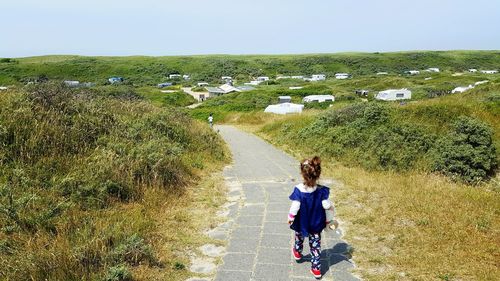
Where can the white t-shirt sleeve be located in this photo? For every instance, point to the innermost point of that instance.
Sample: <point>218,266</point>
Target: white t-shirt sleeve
<point>294,208</point>
<point>327,204</point>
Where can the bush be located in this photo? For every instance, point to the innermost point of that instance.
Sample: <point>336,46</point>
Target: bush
<point>134,250</point>
<point>118,273</point>
<point>467,153</point>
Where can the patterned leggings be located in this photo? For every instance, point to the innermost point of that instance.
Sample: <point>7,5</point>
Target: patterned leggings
<point>314,244</point>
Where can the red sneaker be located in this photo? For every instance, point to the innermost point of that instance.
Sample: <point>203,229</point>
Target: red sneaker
<point>316,273</point>
<point>296,255</point>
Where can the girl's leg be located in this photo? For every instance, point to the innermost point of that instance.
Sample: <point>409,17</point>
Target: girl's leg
<point>299,242</point>
<point>315,245</point>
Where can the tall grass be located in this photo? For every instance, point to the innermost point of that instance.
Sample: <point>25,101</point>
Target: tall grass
<point>77,167</point>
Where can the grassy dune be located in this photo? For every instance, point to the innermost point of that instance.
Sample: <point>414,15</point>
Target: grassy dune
<point>405,221</point>
<point>99,185</point>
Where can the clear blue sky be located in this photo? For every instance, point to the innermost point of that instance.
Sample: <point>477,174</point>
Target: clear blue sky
<point>184,27</point>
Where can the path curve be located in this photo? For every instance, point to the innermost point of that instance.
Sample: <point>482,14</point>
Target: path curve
<point>259,240</point>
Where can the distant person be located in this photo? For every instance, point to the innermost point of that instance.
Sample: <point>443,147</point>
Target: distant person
<point>309,213</point>
<point>211,120</point>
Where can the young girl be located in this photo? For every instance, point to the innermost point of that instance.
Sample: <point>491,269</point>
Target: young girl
<point>309,213</point>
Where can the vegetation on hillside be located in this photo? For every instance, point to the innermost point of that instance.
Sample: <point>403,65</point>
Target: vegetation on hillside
<point>85,176</point>
<point>153,70</point>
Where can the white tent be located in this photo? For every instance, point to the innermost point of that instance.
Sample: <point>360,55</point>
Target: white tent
<point>461,89</point>
<point>284,108</point>
<point>390,95</point>
<point>319,98</point>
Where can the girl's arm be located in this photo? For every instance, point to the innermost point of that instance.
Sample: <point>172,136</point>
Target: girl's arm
<point>294,209</point>
<point>328,206</point>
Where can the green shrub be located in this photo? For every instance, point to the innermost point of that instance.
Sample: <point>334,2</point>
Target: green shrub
<point>118,273</point>
<point>467,153</point>
<point>134,251</point>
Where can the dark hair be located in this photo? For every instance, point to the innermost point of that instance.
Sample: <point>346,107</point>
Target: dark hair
<point>310,170</point>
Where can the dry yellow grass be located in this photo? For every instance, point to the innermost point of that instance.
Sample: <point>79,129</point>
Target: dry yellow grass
<point>417,226</point>
<point>180,220</point>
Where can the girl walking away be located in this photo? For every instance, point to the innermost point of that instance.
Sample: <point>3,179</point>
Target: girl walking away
<point>309,213</point>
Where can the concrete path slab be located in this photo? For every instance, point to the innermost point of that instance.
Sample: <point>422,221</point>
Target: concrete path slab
<point>260,240</point>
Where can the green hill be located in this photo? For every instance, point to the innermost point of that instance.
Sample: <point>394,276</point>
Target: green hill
<point>152,70</point>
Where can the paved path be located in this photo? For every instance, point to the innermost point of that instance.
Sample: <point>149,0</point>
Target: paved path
<point>260,240</point>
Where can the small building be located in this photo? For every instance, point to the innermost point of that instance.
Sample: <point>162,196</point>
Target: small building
<point>284,99</point>
<point>163,85</point>
<point>427,78</point>
<point>202,84</point>
<point>298,77</point>
<point>341,75</point>
<point>481,82</point>
<point>489,71</point>
<point>186,77</point>
<point>461,89</point>
<point>432,69</point>
<point>362,93</point>
<point>319,98</point>
<point>214,92</point>
<point>2,88</point>
<point>392,95</point>
<point>318,77</point>
<point>472,70</point>
<point>174,76</point>
<point>382,73</point>
<point>295,88</point>
<point>225,78</point>
<point>284,108</point>
<point>221,90</point>
<point>413,72</point>
<point>115,80</point>
<point>72,84</point>
<point>262,78</point>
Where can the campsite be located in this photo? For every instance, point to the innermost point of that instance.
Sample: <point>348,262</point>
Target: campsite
<point>255,140</point>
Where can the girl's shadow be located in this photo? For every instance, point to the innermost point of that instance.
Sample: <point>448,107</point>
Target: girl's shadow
<point>337,257</point>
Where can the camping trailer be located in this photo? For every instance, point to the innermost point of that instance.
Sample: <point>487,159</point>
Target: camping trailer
<point>489,71</point>
<point>284,99</point>
<point>341,75</point>
<point>392,95</point>
<point>163,85</point>
<point>115,80</point>
<point>362,93</point>
<point>318,77</point>
<point>284,108</point>
<point>432,69</point>
<point>413,72</point>
<point>319,98</point>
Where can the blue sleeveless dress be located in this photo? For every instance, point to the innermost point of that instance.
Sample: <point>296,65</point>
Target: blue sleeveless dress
<point>311,217</point>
